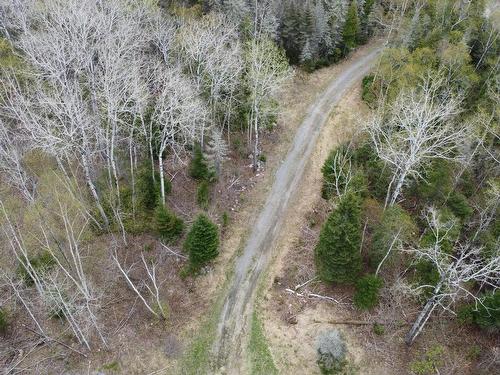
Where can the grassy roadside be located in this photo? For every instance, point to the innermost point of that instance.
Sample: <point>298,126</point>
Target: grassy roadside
<point>196,359</point>
<point>259,354</point>
<point>261,360</point>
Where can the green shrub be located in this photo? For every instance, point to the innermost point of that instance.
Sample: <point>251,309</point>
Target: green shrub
<point>359,183</point>
<point>198,168</point>
<point>203,194</point>
<point>4,321</point>
<point>485,315</point>
<point>438,183</point>
<point>426,274</point>
<point>334,173</point>
<point>378,329</point>
<point>262,158</point>
<point>394,220</point>
<point>367,292</point>
<point>168,225</point>
<point>489,240</point>
<point>474,353</point>
<point>113,366</point>
<point>337,252</point>
<point>225,219</point>
<point>41,262</point>
<point>367,93</point>
<point>57,313</point>
<point>202,242</point>
<point>148,188</point>
<point>467,186</point>
<point>446,243</point>
<point>458,204</point>
<point>239,147</point>
<point>351,31</point>
<point>432,359</point>
<point>376,173</point>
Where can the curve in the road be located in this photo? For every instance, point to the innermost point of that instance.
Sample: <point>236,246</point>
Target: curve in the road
<point>235,318</point>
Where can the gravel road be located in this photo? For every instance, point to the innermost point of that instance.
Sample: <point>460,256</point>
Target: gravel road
<point>236,315</point>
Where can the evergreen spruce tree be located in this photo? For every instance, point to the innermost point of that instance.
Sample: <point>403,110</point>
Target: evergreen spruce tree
<point>216,151</point>
<point>337,253</point>
<point>148,190</point>
<point>306,55</point>
<point>351,27</point>
<point>202,242</point>
<point>168,226</point>
<point>198,168</point>
<point>367,292</point>
<point>368,11</point>
<point>292,34</point>
<point>203,195</point>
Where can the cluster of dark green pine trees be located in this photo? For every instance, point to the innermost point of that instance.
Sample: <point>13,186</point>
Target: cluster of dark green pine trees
<point>151,215</point>
<point>202,240</point>
<point>313,33</point>
<point>317,33</point>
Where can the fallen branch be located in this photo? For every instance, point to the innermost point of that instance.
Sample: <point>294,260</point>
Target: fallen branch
<point>363,238</point>
<point>312,295</point>
<point>348,322</point>
<point>44,337</point>
<point>388,252</point>
<point>173,176</point>
<point>19,361</point>
<point>235,181</point>
<point>297,287</point>
<point>357,322</point>
<point>173,252</point>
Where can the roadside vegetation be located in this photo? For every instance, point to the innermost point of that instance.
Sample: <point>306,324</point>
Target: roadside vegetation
<point>261,360</point>
<point>414,195</point>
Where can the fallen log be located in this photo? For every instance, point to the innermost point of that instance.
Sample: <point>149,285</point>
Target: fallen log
<point>313,295</point>
<point>348,322</point>
<point>357,322</point>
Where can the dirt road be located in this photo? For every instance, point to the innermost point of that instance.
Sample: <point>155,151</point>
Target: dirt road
<point>235,319</point>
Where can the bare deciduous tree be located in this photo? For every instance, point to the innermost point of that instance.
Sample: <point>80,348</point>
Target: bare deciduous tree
<point>211,50</point>
<point>216,150</point>
<point>457,270</point>
<point>418,128</point>
<point>341,170</point>
<point>12,152</point>
<point>267,72</point>
<point>64,287</point>
<point>157,307</point>
<point>88,83</point>
<point>180,114</point>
